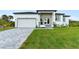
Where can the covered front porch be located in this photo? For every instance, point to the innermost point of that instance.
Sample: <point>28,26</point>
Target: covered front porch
<point>46,20</point>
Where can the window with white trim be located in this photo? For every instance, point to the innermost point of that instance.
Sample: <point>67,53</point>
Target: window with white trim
<point>57,18</point>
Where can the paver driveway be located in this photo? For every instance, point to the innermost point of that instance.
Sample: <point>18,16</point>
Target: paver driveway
<point>12,39</point>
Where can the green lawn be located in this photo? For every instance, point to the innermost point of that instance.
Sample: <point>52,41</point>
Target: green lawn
<point>7,28</point>
<point>53,38</point>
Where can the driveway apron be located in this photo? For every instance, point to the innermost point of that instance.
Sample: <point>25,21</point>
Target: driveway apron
<point>12,39</point>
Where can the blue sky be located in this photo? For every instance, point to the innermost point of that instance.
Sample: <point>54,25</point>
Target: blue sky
<point>74,13</point>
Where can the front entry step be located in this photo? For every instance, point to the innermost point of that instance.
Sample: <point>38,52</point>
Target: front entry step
<point>45,26</point>
<point>48,26</point>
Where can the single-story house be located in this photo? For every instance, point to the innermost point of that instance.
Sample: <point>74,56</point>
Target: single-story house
<point>41,18</point>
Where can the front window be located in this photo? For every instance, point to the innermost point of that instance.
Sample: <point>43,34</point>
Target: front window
<point>41,21</point>
<point>64,19</point>
<point>46,21</point>
<point>57,18</point>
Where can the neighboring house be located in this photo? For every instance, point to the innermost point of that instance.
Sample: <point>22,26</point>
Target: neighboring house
<point>41,18</point>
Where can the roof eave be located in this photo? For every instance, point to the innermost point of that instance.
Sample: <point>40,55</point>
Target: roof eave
<point>66,16</point>
<point>59,14</point>
<point>25,13</point>
<point>46,10</point>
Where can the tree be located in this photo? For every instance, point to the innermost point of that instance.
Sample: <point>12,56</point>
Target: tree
<point>5,17</point>
<point>10,17</point>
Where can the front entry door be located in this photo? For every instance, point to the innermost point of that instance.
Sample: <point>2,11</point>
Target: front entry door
<point>46,21</point>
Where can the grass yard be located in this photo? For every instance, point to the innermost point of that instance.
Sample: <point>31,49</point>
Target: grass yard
<point>57,38</point>
<point>7,28</point>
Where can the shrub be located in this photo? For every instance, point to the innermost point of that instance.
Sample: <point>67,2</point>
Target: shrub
<point>6,24</point>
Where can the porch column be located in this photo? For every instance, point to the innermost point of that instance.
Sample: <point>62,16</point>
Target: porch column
<point>16,23</point>
<point>38,21</point>
<point>61,19</point>
<point>53,18</point>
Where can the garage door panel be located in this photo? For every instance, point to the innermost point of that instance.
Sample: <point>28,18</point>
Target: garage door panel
<point>26,23</point>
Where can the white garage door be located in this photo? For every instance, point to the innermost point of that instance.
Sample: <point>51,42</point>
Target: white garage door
<point>26,22</point>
